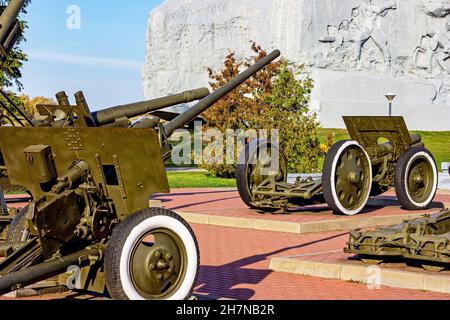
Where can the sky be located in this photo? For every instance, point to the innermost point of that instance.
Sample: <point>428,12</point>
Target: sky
<point>94,46</point>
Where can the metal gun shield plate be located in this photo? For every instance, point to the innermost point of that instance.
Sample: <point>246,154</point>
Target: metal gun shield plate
<point>109,152</point>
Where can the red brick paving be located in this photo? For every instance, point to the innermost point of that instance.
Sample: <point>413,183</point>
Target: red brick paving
<point>235,261</point>
<point>235,266</point>
<point>228,203</point>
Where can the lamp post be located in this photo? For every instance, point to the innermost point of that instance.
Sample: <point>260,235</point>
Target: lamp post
<point>390,97</point>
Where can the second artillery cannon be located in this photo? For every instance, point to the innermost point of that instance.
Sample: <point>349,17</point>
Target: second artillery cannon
<point>381,155</point>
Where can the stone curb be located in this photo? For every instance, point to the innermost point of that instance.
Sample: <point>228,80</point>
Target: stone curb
<point>296,227</point>
<point>362,274</point>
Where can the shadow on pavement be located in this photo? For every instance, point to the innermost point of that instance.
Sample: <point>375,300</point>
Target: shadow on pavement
<point>218,282</point>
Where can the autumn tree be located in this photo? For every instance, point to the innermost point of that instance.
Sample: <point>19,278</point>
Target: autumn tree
<point>277,97</point>
<point>29,104</point>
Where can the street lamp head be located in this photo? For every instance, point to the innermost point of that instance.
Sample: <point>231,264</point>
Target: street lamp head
<point>390,96</point>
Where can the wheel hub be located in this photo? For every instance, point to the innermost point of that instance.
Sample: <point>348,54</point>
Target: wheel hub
<point>161,265</point>
<point>420,180</point>
<point>158,264</point>
<point>354,177</point>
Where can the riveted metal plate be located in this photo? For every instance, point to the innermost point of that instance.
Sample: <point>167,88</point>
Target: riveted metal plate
<point>73,139</point>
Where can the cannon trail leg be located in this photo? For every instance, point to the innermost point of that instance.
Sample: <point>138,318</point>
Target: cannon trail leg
<point>40,272</point>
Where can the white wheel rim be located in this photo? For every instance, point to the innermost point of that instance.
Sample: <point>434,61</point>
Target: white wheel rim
<point>425,155</point>
<point>137,233</point>
<point>333,179</point>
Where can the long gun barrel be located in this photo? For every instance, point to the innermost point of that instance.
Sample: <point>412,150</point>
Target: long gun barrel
<point>211,99</point>
<point>9,26</point>
<point>132,110</point>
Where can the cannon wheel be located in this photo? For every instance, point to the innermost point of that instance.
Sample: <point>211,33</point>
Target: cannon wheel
<point>347,178</point>
<point>416,179</point>
<point>152,255</point>
<point>249,169</point>
<point>18,229</point>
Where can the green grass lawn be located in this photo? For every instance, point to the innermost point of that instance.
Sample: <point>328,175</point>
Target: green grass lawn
<point>197,180</point>
<point>437,142</point>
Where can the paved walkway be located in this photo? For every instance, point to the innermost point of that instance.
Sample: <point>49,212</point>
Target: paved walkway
<point>235,262</point>
<point>226,202</point>
<point>235,266</point>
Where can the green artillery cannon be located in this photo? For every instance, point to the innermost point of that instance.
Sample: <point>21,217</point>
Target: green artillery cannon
<point>382,154</point>
<point>91,176</point>
<point>424,241</point>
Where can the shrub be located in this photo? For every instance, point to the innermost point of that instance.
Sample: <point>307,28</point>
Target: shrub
<point>277,97</point>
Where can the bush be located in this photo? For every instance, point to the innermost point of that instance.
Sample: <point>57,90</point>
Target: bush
<point>277,97</point>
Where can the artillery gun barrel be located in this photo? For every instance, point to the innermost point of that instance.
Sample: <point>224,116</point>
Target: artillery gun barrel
<point>9,17</point>
<point>45,270</point>
<point>132,110</point>
<point>211,99</point>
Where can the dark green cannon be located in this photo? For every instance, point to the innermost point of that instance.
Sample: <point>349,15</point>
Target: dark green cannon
<point>10,28</point>
<point>91,175</point>
<point>381,155</point>
<point>423,241</point>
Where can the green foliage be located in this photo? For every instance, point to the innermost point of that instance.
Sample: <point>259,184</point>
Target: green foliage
<point>289,112</point>
<point>179,180</point>
<point>10,73</point>
<point>277,97</point>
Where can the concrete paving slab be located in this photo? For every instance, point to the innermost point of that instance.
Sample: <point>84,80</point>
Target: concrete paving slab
<point>223,207</point>
<point>339,266</point>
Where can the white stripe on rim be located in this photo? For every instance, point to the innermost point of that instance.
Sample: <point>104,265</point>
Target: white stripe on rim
<point>142,229</point>
<point>435,177</point>
<point>333,179</point>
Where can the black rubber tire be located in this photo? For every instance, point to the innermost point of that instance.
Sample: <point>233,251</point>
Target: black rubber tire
<point>116,244</point>
<point>241,177</point>
<point>17,227</point>
<point>327,178</point>
<point>241,171</point>
<point>400,179</point>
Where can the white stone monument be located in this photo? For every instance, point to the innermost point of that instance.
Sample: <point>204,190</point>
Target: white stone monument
<point>356,51</point>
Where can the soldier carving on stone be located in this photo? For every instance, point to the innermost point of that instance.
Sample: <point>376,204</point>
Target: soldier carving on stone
<point>369,27</point>
<point>437,48</point>
<point>351,35</point>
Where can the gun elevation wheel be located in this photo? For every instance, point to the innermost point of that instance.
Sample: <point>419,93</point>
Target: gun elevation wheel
<point>255,165</point>
<point>152,255</point>
<point>416,179</point>
<point>347,178</point>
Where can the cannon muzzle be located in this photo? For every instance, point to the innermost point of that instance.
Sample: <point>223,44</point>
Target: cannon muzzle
<point>111,115</point>
<point>9,26</point>
<point>211,99</point>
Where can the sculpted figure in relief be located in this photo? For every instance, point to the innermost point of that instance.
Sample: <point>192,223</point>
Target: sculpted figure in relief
<point>436,47</point>
<point>352,35</point>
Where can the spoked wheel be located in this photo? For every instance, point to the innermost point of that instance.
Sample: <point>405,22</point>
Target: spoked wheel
<point>416,179</point>
<point>152,255</point>
<point>347,178</point>
<point>255,165</point>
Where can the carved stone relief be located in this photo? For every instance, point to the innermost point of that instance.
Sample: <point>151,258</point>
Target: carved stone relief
<point>362,43</point>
